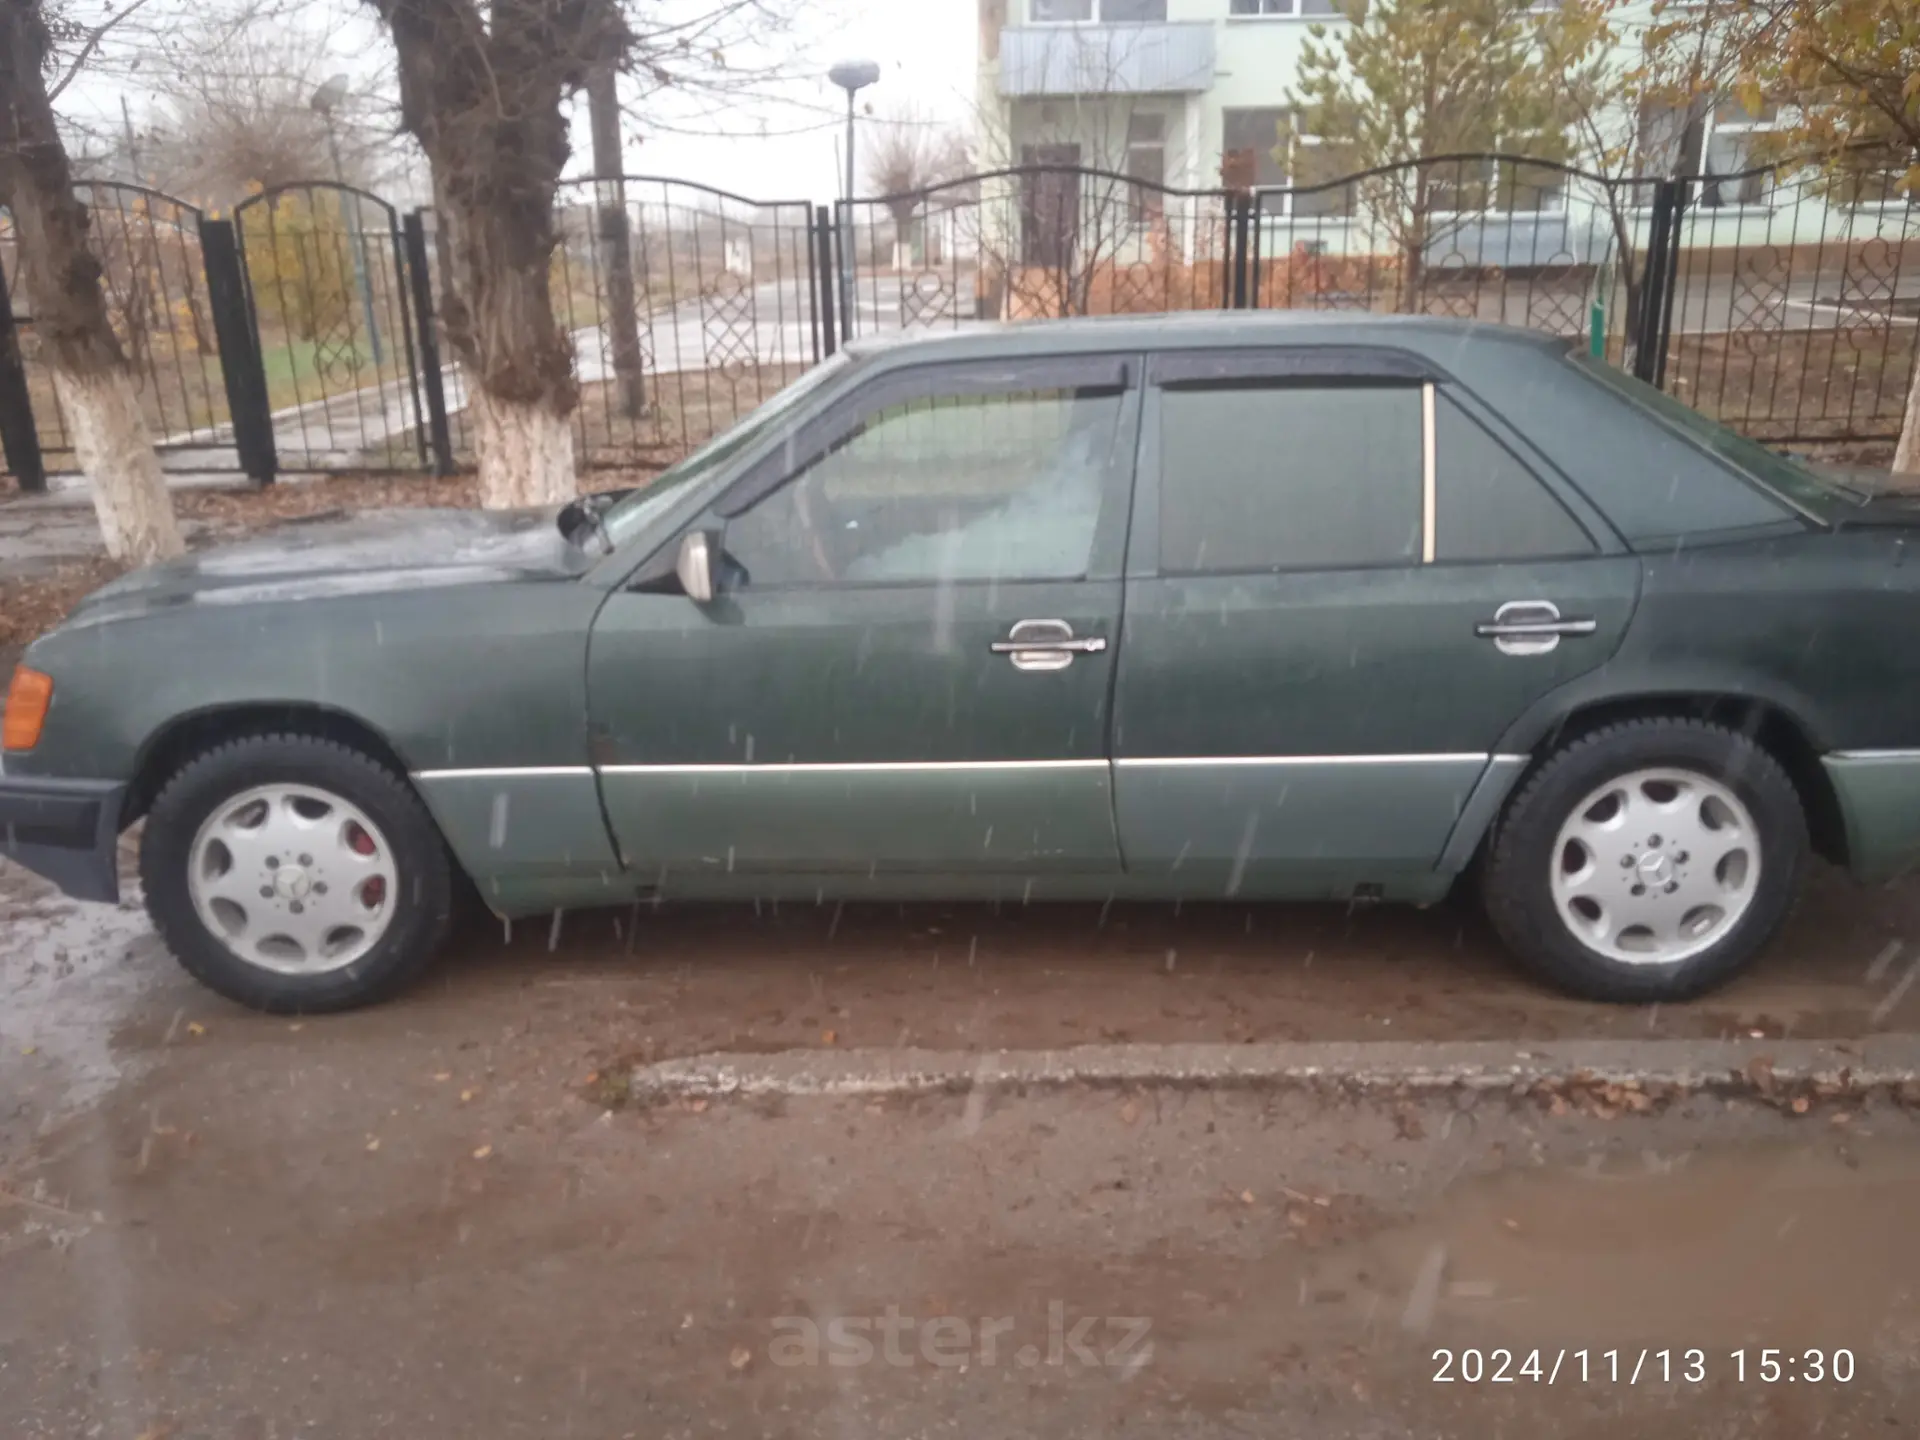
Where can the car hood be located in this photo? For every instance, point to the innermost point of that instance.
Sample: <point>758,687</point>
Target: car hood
<point>380,551</point>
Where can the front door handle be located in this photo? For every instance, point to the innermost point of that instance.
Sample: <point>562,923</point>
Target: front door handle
<point>1531,627</point>
<point>1046,645</point>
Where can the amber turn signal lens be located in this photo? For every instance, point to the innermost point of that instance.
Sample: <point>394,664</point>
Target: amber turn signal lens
<point>27,700</point>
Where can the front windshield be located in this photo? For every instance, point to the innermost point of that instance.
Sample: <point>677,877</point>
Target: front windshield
<point>1784,476</point>
<point>634,513</point>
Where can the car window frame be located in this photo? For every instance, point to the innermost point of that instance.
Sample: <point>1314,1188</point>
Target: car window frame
<point>841,417</point>
<point>1305,365</point>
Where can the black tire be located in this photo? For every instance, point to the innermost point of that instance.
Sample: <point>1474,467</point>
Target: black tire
<point>1516,871</point>
<point>423,894</point>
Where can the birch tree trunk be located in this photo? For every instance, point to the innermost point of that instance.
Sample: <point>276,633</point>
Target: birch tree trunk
<point>60,277</point>
<point>482,93</point>
<point>1906,457</point>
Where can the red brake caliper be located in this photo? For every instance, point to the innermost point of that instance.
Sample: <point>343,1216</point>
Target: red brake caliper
<point>375,890</point>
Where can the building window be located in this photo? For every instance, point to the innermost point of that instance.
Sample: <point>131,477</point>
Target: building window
<point>1726,140</point>
<point>1147,163</point>
<point>1284,7</point>
<point>1502,187</point>
<point>1107,12</point>
<point>1266,145</point>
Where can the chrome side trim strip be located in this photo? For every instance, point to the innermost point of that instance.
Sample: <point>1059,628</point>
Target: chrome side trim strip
<point>856,767</point>
<point>1429,464</point>
<point>1511,759</point>
<point>504,772</point>
<point>870,767</point>
<point>1901,755</point>
<point>1172,761</point>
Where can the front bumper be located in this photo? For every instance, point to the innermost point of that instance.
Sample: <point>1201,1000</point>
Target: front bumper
<point>65,830</point>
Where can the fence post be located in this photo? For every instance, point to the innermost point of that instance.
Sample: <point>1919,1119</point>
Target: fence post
<point>828,278</point>
<point>1237,241</point>
<point>1668,291</point>
<point>238,336</point>
<point>420,281</point>
<point>1655,321</point>
<point>18,437</point>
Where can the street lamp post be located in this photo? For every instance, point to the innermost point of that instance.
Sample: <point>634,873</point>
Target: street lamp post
<point>325,100</point>
<point>851,76</point>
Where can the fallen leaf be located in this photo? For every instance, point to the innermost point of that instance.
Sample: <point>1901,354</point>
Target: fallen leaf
<point>194,1027</point>
<point>28,1049</point>
<point>697,1106</point>
<point>373,1142</point>
<point>1129,1113</point>
<point>297,1026</point>
<point>593,1078</point>
<point>827,1037</point>
<point>466,1095</point>
<point>1800,1105</point>
<point>483,1152</point>
<point>440,1077</point>
<point>1246,1197</point>
<point>1511,1224</point>
<point>740,1357</point>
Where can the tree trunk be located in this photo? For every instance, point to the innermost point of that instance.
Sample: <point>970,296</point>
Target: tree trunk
<point>1906,456</point>
<point>60,277</point>
<point>623,318</point>
<point>500,320</point>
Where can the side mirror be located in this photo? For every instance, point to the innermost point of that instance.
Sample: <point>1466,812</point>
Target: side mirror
<point>694,567</point>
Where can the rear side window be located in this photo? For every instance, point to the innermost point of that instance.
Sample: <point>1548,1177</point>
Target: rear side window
<point>1489,506</point>
<point>1289,477</point>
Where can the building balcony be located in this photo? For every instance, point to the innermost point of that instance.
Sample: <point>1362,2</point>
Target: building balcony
<point>1051,60</point>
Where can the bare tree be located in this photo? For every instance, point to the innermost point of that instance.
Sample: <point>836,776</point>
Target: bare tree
<point>483,88</point>
<point>234,109</point>
<point>60,276</point>
<point>907,153</point>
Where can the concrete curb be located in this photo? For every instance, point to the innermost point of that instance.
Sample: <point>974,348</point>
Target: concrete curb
<point>1746,1066</point>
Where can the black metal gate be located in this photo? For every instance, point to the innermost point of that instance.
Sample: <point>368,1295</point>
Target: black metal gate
<point>300,335</point>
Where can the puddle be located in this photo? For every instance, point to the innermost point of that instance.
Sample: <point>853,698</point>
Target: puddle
<point>70,975</point>
<point>1791,1245</point>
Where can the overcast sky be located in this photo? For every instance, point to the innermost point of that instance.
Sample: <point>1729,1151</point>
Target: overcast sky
<point>926,50</point>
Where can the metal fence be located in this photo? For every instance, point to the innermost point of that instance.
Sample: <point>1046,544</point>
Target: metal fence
<point>301,333</point>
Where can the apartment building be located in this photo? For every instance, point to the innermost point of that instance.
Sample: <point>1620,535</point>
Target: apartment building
<point>1173,91</point>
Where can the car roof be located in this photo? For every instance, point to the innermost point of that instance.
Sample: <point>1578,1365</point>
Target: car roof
<point>1200,329</point>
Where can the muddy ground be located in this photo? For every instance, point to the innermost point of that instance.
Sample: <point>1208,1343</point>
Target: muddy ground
<point>421,1221</point>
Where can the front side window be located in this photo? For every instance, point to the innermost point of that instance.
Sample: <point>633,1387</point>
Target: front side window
<point>1318,476</point>
<point>943,488</point>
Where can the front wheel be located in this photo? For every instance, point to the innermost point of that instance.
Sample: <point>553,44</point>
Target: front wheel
<point>1646,861</point>
<point>294,874</point>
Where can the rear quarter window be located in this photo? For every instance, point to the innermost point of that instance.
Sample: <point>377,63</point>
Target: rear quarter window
<point>1651,483</point>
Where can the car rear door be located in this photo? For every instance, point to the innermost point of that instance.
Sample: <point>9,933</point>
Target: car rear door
<point>908,666</point>
<point>1346,579</point>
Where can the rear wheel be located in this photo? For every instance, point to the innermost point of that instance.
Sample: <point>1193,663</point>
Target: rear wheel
<point>295,874</point>
<point>1648,860</point>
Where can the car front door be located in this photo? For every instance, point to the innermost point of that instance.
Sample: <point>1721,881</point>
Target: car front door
<point>1346,580</point>
<point>907,663</point>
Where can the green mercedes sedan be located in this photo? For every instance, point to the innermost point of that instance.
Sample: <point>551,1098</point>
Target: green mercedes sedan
<point>1256,607</point>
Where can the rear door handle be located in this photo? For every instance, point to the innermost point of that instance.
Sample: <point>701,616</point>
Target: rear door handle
<point>1531,627</point>
<point>1046,645</point>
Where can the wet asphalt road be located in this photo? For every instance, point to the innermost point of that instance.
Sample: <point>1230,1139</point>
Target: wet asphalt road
<point>421,1221</point>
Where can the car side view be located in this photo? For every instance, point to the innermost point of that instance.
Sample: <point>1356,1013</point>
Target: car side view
<point>1253,607</point>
